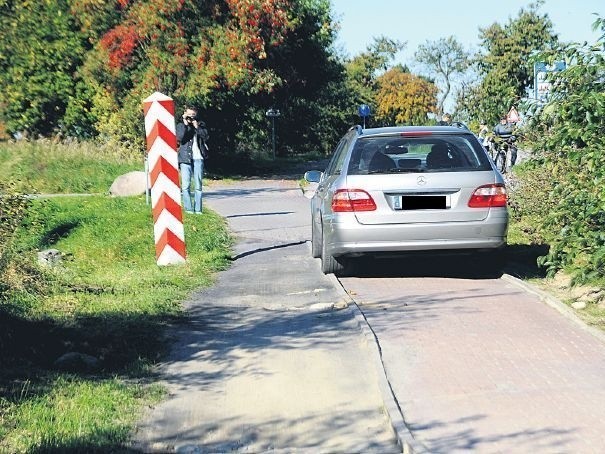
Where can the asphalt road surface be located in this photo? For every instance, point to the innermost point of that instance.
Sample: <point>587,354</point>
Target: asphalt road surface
<point>272,358</point>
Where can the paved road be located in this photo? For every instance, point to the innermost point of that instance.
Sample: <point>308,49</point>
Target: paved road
<point>478,364</point>
<point>263,364</point>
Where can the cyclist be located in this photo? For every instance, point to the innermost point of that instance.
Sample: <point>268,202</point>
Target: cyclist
<point>505,131</point>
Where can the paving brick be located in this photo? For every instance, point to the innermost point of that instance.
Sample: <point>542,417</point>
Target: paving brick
<point>482,365</point>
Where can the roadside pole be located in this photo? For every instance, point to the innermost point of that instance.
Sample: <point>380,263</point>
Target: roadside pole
<point>273,114</point>
<point>169,234</point>
<point>364,112</point>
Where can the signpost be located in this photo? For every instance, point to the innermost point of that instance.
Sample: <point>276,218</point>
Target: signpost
<point>364,111</point>
<point>542,85</point>
<point>273,114</point>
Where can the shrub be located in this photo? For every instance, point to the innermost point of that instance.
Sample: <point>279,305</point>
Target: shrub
<point>568,178</point>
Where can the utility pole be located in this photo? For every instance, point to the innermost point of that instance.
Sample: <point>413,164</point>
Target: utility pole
<point>273,114</point>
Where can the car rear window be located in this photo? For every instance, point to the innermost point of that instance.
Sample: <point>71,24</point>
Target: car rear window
<point>433,153</point>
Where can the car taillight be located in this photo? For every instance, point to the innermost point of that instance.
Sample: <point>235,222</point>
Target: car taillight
<point>490,195</point>
<point>416,133</point>
<point>352,200</point>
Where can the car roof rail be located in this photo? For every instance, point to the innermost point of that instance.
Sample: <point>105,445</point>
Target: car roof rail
<point>358,128</point>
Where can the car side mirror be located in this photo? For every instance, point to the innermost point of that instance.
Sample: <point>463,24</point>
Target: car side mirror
<point>312,177</point>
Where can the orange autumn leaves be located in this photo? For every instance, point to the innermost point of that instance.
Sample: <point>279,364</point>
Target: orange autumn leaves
<point>404,98</point>
<point>229,43</point>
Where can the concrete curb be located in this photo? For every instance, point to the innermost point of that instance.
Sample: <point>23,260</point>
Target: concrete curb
<point>556,304</point>
<point>404,436</point>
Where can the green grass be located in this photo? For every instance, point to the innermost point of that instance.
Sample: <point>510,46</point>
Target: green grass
<point>72,414</point>
<point>108,299</point>
<point>46,167</point>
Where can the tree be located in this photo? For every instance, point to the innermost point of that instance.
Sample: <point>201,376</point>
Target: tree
<point>40,50</point>
<point>444,59</point>
<point>364,69</point>
<point>404,98</point>
<point>505,66</point>
<point>233,58</point>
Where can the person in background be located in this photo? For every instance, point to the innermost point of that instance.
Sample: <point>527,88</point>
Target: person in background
<point>483,131</point>
<point>505,131</point>
<point>191,135</point>
<point>446,120</point>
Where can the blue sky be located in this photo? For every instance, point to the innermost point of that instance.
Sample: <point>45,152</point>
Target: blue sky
<point>417,21</point>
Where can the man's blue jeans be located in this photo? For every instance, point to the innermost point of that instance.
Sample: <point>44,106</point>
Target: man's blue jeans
<point>193,172</point>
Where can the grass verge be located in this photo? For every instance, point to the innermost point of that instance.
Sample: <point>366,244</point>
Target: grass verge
<point>527,242</point>
<point>53,168</point>
<point>109,300</point>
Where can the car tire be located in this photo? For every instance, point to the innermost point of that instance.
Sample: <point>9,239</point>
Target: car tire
<point>331,264</point>
<point>501,161</point>
<point>315,241</point>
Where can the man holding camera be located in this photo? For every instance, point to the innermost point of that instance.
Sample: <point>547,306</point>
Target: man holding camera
<point>191,136</point>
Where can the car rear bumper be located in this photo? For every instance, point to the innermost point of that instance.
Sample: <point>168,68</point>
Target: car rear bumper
<point>345,236</point>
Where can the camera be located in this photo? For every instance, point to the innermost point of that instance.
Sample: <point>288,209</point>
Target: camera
<point>189,118</point>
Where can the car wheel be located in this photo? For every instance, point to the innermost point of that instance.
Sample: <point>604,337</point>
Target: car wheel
<point>315,241</point>
<point>330,264</point>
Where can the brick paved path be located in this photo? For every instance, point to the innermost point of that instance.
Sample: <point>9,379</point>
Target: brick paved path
<point>481,365</point>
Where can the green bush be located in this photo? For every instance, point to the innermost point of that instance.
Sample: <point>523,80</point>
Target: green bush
<point>567,176</point>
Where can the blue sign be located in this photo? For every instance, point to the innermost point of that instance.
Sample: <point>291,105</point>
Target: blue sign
<point>364,110</point>
<point>542,85</point>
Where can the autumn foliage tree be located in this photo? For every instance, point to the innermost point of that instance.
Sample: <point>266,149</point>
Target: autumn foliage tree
<point>364,69</point>
<point>404,98</point>
<point>82,68</point>
<point>233,58</point>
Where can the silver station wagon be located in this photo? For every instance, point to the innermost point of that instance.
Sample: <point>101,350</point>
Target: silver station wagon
<point>397,189</point>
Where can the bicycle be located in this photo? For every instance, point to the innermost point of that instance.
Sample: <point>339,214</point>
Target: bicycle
<point>499,151</point>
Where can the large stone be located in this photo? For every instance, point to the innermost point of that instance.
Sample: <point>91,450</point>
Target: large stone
<point>77,362</point>
<point>131,183</point>
<point>50,257</point>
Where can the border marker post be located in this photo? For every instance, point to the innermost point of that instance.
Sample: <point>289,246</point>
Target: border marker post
<point>160,131</point>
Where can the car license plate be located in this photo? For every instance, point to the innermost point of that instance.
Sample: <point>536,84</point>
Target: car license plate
<point>420,202</point>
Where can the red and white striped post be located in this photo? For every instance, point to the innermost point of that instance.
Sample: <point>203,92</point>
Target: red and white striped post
<point>168,230</point>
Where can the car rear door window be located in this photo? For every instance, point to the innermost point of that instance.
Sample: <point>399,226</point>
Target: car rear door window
<point>432,153</point>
